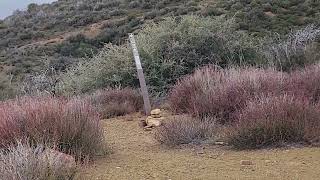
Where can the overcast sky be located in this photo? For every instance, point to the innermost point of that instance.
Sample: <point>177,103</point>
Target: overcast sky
<point>8,6</point>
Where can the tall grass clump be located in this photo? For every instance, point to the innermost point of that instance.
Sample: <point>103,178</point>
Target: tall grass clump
<point>185,130</point>
<point>113,102</point>
<point>168,49</point>
<point>220,93</point>
<point>304,83</point>
<point>72,126</point>
<point>273,120</point>
<point>24,162</point>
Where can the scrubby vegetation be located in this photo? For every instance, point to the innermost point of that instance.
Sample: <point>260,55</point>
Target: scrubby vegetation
<point>42,137</point>
<point>220,93</point>
<point>274,120</point>
<point>64,32</point>
<point>72,126</point>
<point>178,46</point>
<point>261,16</point>
<point>116,102</point>
<point>259,108</point>
<point>24,162</point>
<point>246,72</point>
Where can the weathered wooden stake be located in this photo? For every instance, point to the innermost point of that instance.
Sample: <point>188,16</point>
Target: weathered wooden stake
<point>143,85</point>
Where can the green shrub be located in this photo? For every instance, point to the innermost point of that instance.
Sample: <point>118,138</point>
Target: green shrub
<point>285,15</point>
<point>169,50</point>
<point>113,66</point>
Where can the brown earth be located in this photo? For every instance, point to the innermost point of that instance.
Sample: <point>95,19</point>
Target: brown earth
<point>136,155</point>
<point>91,31</point>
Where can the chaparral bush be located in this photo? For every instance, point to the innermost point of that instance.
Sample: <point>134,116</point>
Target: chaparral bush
<point>177,46</point>
<point>168,50</point>
<point>113,102</point>
<point>72,126</point>
<point>24,162</point>
<point>273,120</point>
<point>220,93</point>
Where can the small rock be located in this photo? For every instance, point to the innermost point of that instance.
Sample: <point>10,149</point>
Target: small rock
<point>219,143</point>
<point>213,156</point>
<point>156,112</point>
<point>147,128</point>
<point>156,115</point>
<point>142,124</point>
<point>153,122</point>
<point>246,162</point>
<point>200,152</point>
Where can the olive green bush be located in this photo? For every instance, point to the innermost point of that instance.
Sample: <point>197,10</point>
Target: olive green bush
<point>169,50</point>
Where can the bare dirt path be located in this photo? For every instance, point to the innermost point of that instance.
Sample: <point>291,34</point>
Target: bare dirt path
<point>136,155</point>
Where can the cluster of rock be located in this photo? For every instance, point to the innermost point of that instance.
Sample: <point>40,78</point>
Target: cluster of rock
<point>154,120</point>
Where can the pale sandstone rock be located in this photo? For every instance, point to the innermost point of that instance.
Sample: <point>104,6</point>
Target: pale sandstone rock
<point>156,115</point>
<point>153,122</point>
<point>156,112</point>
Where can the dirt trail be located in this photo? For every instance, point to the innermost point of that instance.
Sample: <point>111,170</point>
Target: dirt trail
<point>136,155</point>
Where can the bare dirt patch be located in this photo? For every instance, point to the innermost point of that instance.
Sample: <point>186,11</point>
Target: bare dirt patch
<point>136,155</point>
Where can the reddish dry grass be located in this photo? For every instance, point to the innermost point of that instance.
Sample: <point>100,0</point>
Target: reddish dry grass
<point>220,93</point>
<point>73,126</point>
<point>116,102</point>
<point>305,83</point>
<point>265,107</point>
<point>274,120</point>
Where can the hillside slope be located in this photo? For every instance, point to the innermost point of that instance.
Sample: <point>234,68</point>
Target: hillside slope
<point>62,33</point>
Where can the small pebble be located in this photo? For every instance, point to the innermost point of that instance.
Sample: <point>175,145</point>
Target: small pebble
<point>246,162</point>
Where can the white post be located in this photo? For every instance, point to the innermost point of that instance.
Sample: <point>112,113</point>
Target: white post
<point>143,85</point>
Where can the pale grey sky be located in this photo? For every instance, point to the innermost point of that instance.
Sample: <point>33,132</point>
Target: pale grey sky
<point>8,6</point>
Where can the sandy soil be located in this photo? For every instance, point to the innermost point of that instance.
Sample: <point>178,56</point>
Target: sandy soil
<point>136,155</point>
